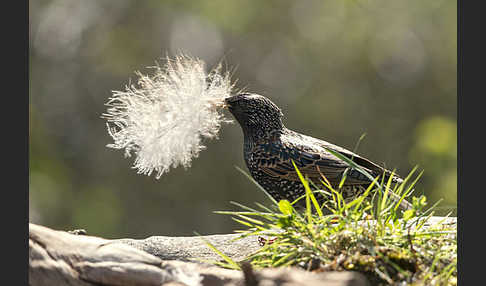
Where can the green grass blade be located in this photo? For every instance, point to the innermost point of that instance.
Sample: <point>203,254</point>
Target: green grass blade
<point>385,193</point>
<point>221,254</point>
<point>343,178</point>
<point>243,206</point>
<point>359,141</point>
<point>263,207</point>
<point>309,192</point>
<point>252,220</point>
<point>242,222</point>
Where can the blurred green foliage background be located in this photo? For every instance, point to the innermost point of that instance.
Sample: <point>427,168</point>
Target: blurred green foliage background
<point>337,68</point>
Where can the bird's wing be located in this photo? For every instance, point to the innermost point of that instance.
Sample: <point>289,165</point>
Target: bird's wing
<point>275,159</point>
<point>363,162</point>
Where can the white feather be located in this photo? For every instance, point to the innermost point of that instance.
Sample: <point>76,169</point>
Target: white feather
<point>164,119</point>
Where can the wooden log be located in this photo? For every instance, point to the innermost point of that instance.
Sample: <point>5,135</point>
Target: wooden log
<point>62,258</point>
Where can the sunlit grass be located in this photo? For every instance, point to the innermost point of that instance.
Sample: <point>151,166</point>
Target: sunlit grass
<point>369,234</point>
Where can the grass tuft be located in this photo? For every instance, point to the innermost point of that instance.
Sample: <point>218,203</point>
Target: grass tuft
<point>369,234</point>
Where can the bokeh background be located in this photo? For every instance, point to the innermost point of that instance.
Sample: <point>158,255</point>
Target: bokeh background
<point>338,69</point>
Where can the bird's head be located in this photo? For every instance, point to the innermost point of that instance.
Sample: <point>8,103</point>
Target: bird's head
<point>255,113</point>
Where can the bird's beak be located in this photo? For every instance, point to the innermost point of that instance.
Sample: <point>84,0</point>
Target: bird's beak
<point>228,102</point>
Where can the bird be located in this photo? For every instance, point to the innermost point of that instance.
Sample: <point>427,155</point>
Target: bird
<point>270,149</point>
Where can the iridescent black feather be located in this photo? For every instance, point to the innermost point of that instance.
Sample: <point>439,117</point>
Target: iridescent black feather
<point>269,149</point>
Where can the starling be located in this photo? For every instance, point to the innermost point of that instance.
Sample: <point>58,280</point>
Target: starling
<point>269,148</point>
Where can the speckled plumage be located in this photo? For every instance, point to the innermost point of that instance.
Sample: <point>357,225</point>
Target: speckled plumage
<point>269,148</point>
